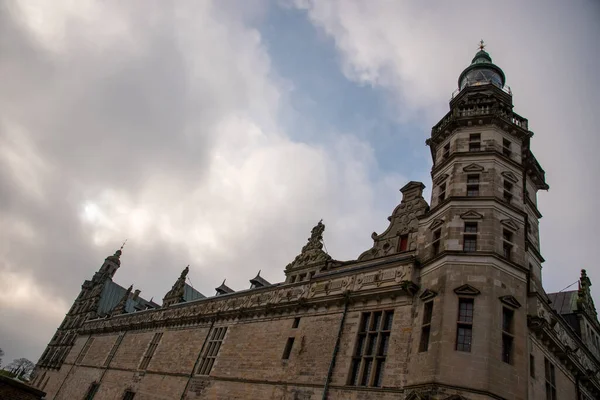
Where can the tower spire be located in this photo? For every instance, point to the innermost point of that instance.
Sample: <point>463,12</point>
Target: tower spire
<point>481,45</point>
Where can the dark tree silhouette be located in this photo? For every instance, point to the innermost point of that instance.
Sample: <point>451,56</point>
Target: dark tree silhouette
<point>21,367</point>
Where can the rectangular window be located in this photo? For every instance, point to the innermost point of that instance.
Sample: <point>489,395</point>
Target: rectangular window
<point>296,322</point>
<point>371,349</point>
<point>84,351</point>
<point>507,335</point>
<point>212,350</point>
<point>473,185</point>
<point>470,237</point>
<point>442,192</point>
<point>508,191</point>
<point>292,278</point>
<point>403,244</point>
<point>435,244</point>
<point>446,151</point>
<point>506,147</point>
<point>113,351</point>
<point>150,350</point>
<point>507,245</point>
<point>426,326</point>
<point>531,366</point>
<point>464,331</point>
<point>550,380</point>
<point>475,142</point>
<point>92,391</point>
<point>287,351</point>
<point>129,395</point>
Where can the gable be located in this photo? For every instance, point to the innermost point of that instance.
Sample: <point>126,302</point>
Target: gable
<point>440,179</point>
<point>510,224</point>
<point>510,301</point>
<point>467,290</point>
<point>436,223</point>
<point>427,295</point>
<point>473,168</point>
<point>471,215</point>
<point>510,176</point>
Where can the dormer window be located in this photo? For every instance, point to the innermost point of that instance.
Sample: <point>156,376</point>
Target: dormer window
<point>475,142</point>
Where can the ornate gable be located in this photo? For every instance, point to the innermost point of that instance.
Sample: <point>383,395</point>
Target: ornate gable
<point>510,224</point>
<point>175,295</point>
<point>466,290</point>
<point>401,234</point>
<point>312,252</point>
<point>473,168</point>
<point>510,301</point>
<point>510,176</point>
<point>584,296</point>
<point>471,215</point>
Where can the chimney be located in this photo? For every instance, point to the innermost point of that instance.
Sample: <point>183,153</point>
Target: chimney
<point>136,294</point>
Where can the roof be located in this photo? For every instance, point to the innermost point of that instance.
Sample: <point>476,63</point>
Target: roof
<point>564,302</point>
<point>259,281</point>
<point>112,293</point>
<point>191,294</point>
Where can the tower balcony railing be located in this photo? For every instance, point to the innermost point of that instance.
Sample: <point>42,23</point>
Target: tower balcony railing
<point>483,110</point>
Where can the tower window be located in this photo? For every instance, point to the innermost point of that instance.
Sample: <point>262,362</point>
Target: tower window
<point>506,147</point>
<point>296,323</point>
<point>403,244</point>
<point>287,351</point>
<point>475,142</point>
<point>446,151</point>
<point>212,350</point>
<point>442,192</point>
<point>550,380</point>
<point>473,185</point>
<point>464,331</point>
<point>292,278</point>
<point>371,349</point>
<point>531,366</point>
<point>508,187</point>
<point>507,335</point>
<point>507,245</point>
<point>470,237</point>
<point>426,326</point>
<point>435,243</point>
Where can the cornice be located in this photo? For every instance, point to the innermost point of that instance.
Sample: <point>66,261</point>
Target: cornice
<point>473,154</point>
<point>392,281</point>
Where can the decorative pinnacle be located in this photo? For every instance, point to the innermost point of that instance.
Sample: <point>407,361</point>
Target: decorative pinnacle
<point>481,45</point>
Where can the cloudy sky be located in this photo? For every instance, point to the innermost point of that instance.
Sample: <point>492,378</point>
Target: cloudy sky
<point>217,133</point>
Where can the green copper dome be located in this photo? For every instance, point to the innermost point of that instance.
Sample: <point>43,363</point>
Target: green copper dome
<point>482,71</point>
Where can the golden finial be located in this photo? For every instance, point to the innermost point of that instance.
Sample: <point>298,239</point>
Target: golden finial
<point>481,45</point>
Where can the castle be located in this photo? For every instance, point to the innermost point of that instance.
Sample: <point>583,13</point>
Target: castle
<point>447,304</point>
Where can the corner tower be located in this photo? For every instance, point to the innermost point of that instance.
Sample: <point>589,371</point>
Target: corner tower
<point>479,244</point>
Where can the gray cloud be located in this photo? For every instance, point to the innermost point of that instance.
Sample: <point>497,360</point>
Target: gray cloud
<point>162,127</point>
